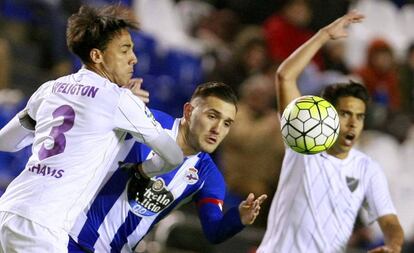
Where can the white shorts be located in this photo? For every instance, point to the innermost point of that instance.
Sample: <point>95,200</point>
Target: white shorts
<point>18,235</point>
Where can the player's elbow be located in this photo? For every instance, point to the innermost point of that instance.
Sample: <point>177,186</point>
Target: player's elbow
<point>168,150</point>
<point>282,75</point>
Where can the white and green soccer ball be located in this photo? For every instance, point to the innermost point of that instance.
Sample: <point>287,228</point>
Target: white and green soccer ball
<point>310,125</point>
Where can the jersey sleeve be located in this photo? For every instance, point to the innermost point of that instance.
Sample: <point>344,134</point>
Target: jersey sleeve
<point>14,137</point>
<point>17,134</point>
<point>134,117</point>
<point>37,98</point>
<point>377,196</point>
<point>216,226</point>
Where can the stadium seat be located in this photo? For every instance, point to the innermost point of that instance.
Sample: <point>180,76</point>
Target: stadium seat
<point>145,48</point>
<point>16,10</point>
<point>185,68</point>
<point>164,94</point>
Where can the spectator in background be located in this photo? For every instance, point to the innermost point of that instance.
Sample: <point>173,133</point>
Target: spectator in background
<point>333,54</point>
<point>407,81</point>
<point>327,11</point>
<point>4,63</point>
<point>217,32</point>
<point>250,57</point>
<point>49,22</point>
<point>380,76</point>
<point>254,147</point>
<point>288,29</point>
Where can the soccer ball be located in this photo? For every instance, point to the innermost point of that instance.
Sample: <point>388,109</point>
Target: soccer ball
<point>310,125</point>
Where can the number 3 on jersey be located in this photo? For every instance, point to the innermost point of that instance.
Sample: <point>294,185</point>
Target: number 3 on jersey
<point>57,132</point>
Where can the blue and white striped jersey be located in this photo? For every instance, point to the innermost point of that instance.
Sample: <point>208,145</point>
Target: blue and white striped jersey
<point>122,212</point>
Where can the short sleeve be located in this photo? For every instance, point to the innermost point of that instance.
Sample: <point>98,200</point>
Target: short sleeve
<point>135,118</point>
<point>377,196</point>
<point>37,98</point>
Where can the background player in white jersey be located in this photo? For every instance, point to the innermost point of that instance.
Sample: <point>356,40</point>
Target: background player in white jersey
<point>81,121</point>
<point>127,206</point>
<point>319,196</point>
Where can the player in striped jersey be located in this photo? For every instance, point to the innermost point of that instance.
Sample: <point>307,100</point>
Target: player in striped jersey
<point>128,205</point>
<point>79,124</point>
<point>319,196</point>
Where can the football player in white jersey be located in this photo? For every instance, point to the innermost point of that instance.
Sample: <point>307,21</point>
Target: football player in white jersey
<point>319,196</point>
<point>80,123</point>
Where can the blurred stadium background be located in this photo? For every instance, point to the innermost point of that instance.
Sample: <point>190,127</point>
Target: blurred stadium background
<point>183,43</point>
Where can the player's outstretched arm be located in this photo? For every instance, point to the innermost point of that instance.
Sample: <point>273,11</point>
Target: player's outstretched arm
<point>218,227</point>
<point>249,208</point>
<point>290,69</point>
<point>393,234</point>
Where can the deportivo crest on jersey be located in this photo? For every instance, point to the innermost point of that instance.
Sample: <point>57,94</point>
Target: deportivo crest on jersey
<point>352,183</point>
<point>191,176</point>
<point>148,199</point>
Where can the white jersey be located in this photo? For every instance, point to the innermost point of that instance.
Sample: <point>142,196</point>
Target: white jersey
<point>318,199</point>
<point>81,122</point>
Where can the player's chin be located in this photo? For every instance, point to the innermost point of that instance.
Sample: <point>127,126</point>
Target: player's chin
<point>208,148</point>
<point>346,146</point>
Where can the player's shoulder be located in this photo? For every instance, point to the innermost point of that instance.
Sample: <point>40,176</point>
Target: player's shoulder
<point>166,120</point>
<point>207,164</point>
<point>359,155</point>
<point>365,161</point>
<point>91,78</point>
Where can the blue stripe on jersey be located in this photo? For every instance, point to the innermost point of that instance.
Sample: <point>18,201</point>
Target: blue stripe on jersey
<point>132,221</point>
<point>187,192</point>
<point>105,200</point>
<point>163,118</point>
<point>120,238</point>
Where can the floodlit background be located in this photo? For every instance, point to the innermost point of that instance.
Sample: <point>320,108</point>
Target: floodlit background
<point>240,42</point>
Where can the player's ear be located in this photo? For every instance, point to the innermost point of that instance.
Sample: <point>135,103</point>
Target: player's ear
<point>188,109</point>
<point>96,55</point>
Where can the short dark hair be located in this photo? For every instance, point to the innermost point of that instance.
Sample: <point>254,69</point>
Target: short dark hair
<point>333,92</point>
<point>216,89</point>
<point>95,27</point>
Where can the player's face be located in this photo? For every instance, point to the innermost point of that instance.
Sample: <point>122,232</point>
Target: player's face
<point>351,112</point>
<point>209,123</point>
<point>119,58</point>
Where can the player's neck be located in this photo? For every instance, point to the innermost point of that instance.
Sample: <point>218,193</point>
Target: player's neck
<point>99,71</point>
<point>182,139</point>
<point>338,153</point>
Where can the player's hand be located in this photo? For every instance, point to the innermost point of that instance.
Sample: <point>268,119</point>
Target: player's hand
<point>135,86</point>
<point>250,208</point>
<point>384,249</point>
<point>338,28</point>
<point>134,169</point>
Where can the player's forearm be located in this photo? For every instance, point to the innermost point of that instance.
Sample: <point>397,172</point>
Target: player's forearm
<point>394,237</point>
<point>14,136</point>
<point>218,227</point>
<point>168,156</point>
<point>293,66</point>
